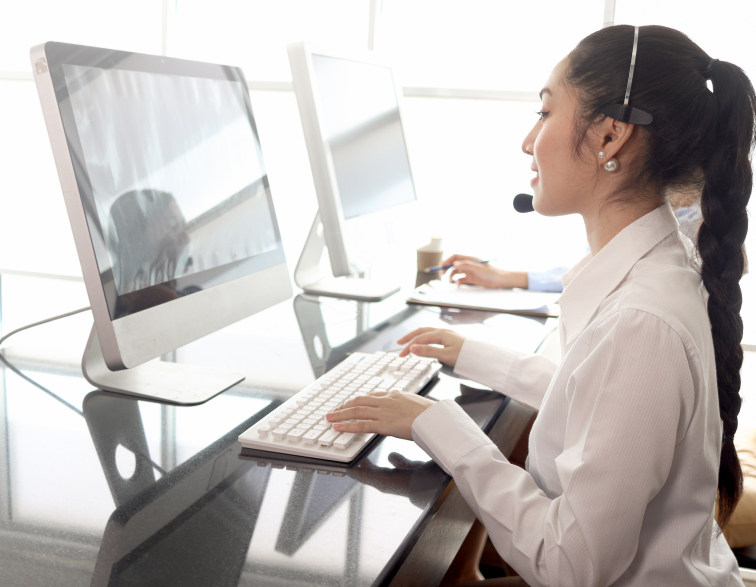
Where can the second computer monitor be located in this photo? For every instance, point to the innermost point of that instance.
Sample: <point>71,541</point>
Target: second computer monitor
<point>350,110</point>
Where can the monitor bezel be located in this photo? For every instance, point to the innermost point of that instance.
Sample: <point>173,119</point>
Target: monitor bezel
<point>152,331</point>
<point>337,229</point>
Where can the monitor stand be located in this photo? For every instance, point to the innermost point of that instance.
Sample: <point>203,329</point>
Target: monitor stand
<point>163,381</point>
<point>307,275</point>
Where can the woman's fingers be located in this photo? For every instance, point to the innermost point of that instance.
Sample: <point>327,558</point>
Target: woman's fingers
<point>450,345</point>
<point>367,401</point>
<point>455,272</point>
<point>352,413</point>
<point>410,335</point>
<point>404,352</point>
<point>391,413</point>
<point>419,343</point>
<point>359,427</point>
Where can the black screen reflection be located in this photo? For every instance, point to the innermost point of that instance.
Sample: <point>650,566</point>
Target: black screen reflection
<point>149,231</point>
<point>193,526</point>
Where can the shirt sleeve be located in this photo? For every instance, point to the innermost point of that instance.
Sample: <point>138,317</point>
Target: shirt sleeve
<point>626,416</point>
<point>522,377</point>
<point>550,280</point>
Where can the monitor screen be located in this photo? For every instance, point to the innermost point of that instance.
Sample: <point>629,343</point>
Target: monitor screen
<point>171,175</point>
<point>360,113</point>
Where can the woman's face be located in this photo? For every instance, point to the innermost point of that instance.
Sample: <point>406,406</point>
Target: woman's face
<point>563,183</point>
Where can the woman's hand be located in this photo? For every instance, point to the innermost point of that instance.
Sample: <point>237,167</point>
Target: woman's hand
<point>389,413</point>
<point>484,274</point>
<point>419,343</point>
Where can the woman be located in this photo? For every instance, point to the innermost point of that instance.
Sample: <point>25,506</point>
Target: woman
<point>634,436</point>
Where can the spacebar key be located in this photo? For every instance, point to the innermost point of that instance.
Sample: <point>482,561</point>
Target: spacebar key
<point>328,438</point>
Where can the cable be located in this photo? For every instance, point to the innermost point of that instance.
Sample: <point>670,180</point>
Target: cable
<point>18,372</point>
<point>53,394</point>
<point>45,321</point>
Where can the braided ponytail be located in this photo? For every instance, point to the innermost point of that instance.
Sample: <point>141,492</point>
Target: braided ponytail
<point>700,140</point>
<point>727,181</point>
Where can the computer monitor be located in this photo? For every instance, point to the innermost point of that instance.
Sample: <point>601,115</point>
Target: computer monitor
<point>168,198</point>
<point>350,110</point>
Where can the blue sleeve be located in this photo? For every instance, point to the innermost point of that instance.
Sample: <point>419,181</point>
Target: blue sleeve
<point>550,280</point>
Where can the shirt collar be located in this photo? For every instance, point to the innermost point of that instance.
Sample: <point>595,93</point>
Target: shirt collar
<point>588,283</point>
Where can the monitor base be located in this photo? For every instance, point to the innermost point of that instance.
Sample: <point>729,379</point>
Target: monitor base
<point>308,276</point>
<point>352,288</point>
<point>161,381</point>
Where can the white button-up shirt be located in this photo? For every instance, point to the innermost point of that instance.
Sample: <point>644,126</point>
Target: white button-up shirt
<point>624,454</point>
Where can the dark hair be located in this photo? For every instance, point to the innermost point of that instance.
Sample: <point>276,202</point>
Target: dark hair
<point>699,139</point>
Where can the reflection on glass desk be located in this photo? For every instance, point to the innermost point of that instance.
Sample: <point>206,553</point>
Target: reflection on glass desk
<point>100,489</point>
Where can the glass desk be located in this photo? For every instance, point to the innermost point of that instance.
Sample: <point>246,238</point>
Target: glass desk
<point>103,490</point>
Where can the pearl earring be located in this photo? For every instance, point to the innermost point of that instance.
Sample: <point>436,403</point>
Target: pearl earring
<point>611,165</point>
<point>602,154</point>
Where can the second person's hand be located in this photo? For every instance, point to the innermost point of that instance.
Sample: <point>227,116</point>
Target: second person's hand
<point>467,270</point>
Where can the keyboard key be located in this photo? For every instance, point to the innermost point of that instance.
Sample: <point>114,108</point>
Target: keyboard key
<point>321,427</point>
<point>343,441</point>
<point>279,433</point>
<point>295,435</point>
<point>263,430</point>
<point>312,436</point>
<point>328,438</point>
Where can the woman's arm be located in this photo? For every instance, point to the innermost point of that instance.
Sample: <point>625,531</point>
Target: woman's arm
<point>622,427</point>
<point>623,423</point>
<point>522,377</point>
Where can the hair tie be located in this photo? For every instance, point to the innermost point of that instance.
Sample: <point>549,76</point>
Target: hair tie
<point>707,73</point>
<point>730,438</point>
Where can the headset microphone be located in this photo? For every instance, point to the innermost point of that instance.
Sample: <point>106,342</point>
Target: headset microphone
<point>523,203</point>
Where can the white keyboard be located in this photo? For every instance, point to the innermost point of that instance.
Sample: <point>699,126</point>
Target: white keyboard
<point>298,427</point>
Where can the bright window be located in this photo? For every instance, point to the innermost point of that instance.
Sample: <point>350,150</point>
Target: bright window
<point>253,34</point>
<point>486,44</point>
<point>135,25</point>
